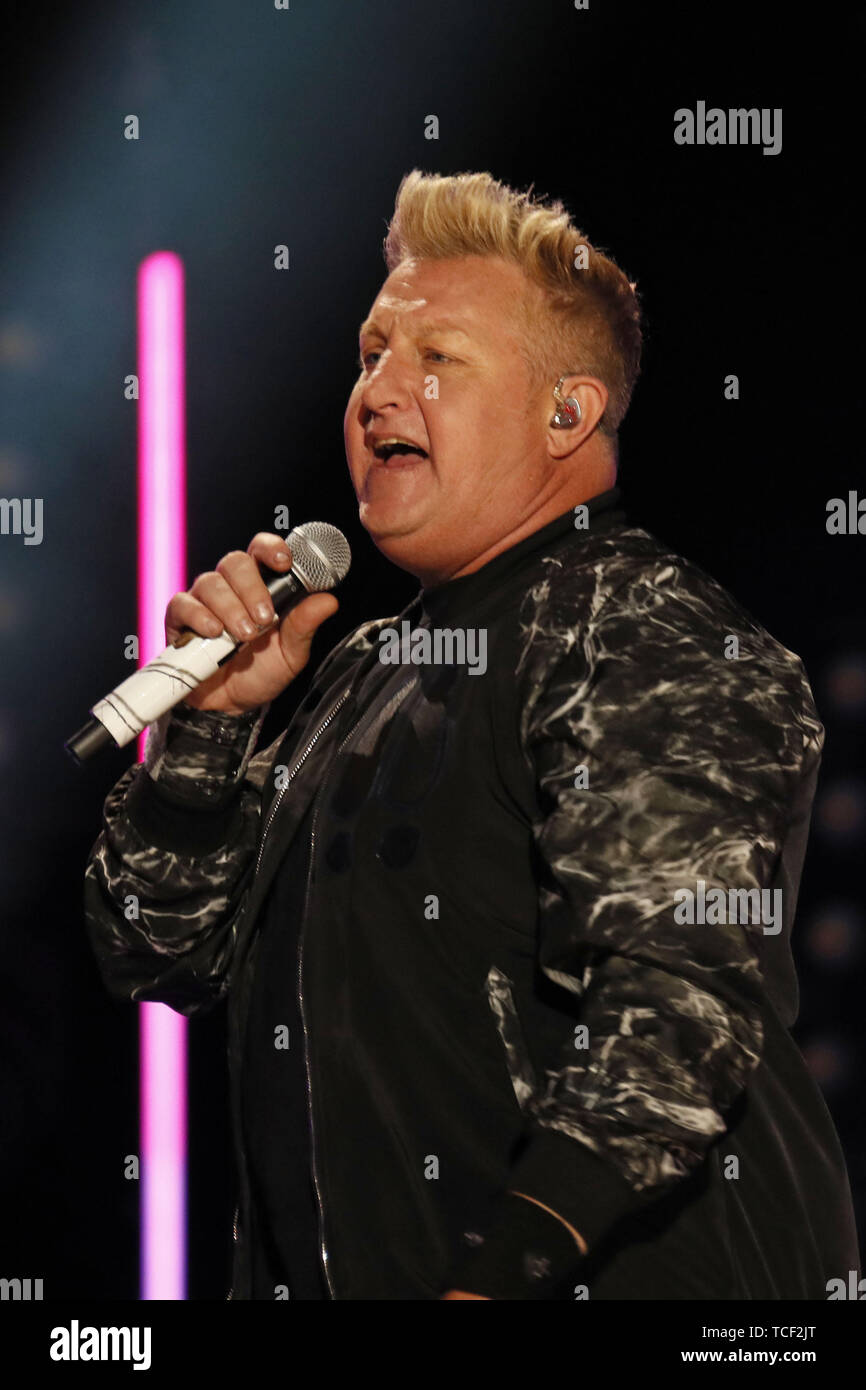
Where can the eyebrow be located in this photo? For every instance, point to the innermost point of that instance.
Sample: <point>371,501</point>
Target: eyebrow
<point>370,327</point>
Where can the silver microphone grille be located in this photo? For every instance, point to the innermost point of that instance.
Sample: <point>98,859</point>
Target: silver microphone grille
<point>320,555</point>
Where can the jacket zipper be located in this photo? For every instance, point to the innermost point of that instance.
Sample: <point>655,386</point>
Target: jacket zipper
<point>231,1292</point>
<point>323,1250</point>
<point>298,765</point>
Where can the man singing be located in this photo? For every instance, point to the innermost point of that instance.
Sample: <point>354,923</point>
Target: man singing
<point>503,919</point>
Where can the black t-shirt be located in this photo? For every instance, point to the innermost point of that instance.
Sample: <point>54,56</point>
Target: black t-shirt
<point>284,1240</point>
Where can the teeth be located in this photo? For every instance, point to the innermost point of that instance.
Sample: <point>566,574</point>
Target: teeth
<point>385,446</point>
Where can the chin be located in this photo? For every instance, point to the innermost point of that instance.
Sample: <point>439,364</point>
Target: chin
<point>397,542</point>
<point>386,523</point>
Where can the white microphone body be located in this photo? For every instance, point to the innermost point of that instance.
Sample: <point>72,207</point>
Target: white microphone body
<point>156,687</point>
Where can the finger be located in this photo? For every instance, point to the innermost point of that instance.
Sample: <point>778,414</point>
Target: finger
<point>185,611</point>
<point>271,550</point>
<point>216,593</point>
<point>241,572</point>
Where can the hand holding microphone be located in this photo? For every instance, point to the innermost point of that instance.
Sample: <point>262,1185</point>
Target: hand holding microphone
<point>235,642</point>
<point>232,596</point>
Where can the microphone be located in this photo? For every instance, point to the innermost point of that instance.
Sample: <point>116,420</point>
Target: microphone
<point>320,559</point>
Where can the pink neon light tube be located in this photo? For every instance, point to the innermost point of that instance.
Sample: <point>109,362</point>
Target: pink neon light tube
<point>161,572</point>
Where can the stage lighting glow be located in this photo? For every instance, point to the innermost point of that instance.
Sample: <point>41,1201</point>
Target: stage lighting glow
<point>828,1061</point>
<point>840,812</point>
<point>835,934</point>
<point>161,572</point>
<point>845,683</point>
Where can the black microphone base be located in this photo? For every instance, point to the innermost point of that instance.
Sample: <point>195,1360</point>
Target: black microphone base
<point>89,739</point>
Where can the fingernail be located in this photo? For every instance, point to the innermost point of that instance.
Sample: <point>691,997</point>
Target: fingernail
<point>247,628</point>
<point>264,612</point>
<point>282,555</point>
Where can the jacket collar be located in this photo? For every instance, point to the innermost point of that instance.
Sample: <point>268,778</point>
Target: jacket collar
<point>468,589</point>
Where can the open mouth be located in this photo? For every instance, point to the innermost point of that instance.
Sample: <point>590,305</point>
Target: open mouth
<point>395,453</point>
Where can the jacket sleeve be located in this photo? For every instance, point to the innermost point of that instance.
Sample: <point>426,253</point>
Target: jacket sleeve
<point>693,758</point>
<point>168,876</point>
<point>166,879</point>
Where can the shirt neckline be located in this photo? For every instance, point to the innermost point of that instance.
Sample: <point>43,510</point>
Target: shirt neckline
<point>433,600</point>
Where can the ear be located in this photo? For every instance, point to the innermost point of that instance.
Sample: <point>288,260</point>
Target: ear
<point>591,395</point>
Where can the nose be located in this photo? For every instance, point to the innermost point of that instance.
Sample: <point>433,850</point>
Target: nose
<point>386,385</point>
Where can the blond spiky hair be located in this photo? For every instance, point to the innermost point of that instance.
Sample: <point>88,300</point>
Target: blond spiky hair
<point>576,319</point>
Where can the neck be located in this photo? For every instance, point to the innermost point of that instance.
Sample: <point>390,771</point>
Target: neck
<point>598,476</point>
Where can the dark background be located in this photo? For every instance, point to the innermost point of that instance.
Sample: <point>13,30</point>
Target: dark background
<point>261,127</point>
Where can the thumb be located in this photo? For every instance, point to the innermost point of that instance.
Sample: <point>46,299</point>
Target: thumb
<point>301,622</point>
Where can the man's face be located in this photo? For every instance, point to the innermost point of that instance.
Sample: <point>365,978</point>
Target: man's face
<point>441,368</point>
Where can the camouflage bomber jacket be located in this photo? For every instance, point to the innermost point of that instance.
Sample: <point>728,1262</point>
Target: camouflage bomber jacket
<point>637,749</point>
